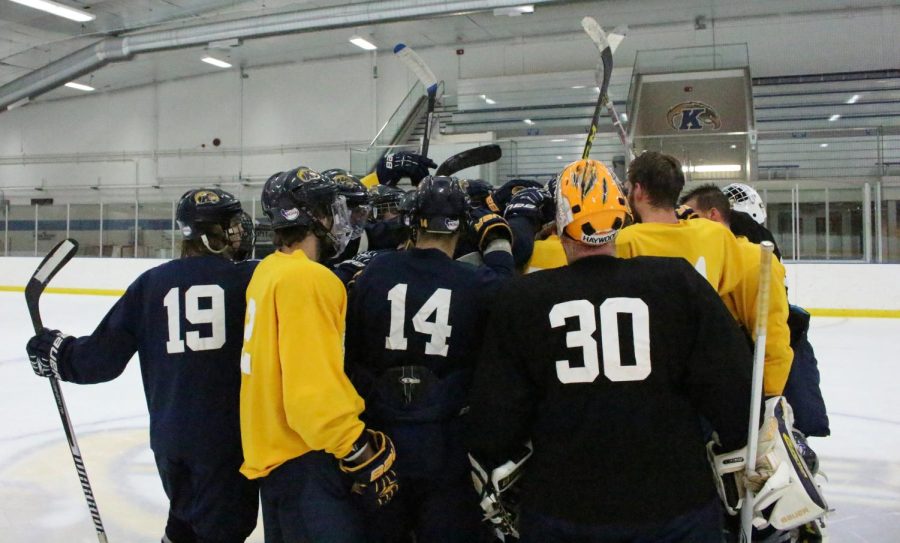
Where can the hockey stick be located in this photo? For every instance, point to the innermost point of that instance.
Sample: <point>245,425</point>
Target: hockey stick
<point>52,263</point>
<point>415,63</point>
<point>766,249</point>
<point>607,46</point>
<point>468,158</point>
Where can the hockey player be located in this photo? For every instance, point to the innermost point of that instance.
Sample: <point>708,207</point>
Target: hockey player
<point>654,182</point>
<point>184,318</point>
<point>413,327</point>
<point>802,388</point>
<point>606,365</point>
<point>300,427</point>
<point>356,195</point>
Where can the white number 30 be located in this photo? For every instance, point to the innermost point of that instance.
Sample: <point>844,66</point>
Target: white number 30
<point>613,369</point>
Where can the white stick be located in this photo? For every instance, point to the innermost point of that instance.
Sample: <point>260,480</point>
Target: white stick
<point>756,392</point>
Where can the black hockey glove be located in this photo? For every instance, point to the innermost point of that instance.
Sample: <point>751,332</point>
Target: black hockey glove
<point>373,479</point>
<point>488,227</point>
<point>43,352</point>
<point>394,167</point>
<point>529,203</point>
<point>502,196</point>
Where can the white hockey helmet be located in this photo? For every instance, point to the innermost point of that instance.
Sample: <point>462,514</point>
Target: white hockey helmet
<point>744,198</point>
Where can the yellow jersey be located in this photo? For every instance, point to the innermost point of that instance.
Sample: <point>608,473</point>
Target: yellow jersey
<point>295,397</point>
<point>742,304</point>
<point>548,253</point>
<point>730,268</point>
<point>709,247</point>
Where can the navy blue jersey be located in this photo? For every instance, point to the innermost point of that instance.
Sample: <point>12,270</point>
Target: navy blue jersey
<point>415,320</point>
<point>419,307</point>
<point>185,319</point>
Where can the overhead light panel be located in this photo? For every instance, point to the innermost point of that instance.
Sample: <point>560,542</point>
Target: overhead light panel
<point>558,157</point>
<point>823,145</point>
<point>59,10</point>
<point>514,11</point>
<point>853,99</point>
<point>79,86</point>
<point>558,140</point>
<point>528,121</point>
<point>577,86</point>
<point>712,168</point>
<point>834,118</point>
<point>489,101</point>
<point>363,43</point>
<point>623,117</point>
<point>215,62</point>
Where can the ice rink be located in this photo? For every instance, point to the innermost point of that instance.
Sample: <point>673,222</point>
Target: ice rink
<point>41,500</point>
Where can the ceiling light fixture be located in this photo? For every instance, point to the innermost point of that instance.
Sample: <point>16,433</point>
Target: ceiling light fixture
<point>577,86</point>
<point>59,10</point>
<point>79,86</point>
<point>853,99</point>
<point>528,121</point>
<point>514,11</point>
<point>823,145</point>
<point>559,140</point>
<point>215,62</point>
<point>733,146</point>
<point>834,118</point>
<point>558,157</point>
<point>712,168</point>
<point>489,101</point>
<point>363,43</point>
<point>623,117</point>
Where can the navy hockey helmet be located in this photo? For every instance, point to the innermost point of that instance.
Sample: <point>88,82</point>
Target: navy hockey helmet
<point>356,195</point>
<point>303,197</point>
<point>349,186</point>
<point>440,205</point>
<point>384,199</point>
<point>298,197</point>
<point>268,192</point>
<point>205,207</point>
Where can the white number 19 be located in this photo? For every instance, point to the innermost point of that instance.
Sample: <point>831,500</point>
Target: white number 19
<point>214,316</point>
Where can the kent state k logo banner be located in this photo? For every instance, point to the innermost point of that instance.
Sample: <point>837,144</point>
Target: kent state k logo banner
<point>693,116</point>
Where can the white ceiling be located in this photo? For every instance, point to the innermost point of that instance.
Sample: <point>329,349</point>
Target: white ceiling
<point>30,39</point>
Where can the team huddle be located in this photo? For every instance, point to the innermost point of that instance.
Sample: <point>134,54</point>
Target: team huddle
<point>566,361</point>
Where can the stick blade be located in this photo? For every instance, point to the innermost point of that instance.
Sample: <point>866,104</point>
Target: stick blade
<point>415,63</point>
<point>470,157</point>
<point>48,268</point>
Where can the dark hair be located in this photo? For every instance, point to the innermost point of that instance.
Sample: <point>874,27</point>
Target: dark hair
<point>285,237</point>
<point>659,175</point>
<point>710,196</point>
<point>215,235</point>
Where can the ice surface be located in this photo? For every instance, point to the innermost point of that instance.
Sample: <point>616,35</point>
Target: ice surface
<point>41,500</point>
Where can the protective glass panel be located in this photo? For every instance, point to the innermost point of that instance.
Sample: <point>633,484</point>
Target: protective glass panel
<point>84,227</point>
<point>845,223</point>
<point>118,230</point>
<point>21,231</point>
<point>51,227</point>
<point>779,219</point>
<point>155,231</point>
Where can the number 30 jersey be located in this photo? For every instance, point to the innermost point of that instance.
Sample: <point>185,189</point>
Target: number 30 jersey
<point>607,366</point>
<point>184,319</point>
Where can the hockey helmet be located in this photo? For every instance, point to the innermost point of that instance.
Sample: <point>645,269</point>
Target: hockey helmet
<point>349,186</point>
<point>384,199</point>
<point>267,193</point>
<point>590,204</point>
<point>744,198</point>
<point>440,205</point>
<point>205,206</point>
<point>303,197</point>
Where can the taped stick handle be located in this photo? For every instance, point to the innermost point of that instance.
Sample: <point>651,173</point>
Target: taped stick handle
<point>766,250</point>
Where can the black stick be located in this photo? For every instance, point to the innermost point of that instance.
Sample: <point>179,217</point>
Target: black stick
<point>52,263</point>
<point>468,158</point>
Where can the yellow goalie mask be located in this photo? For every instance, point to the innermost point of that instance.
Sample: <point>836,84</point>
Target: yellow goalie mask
<point>590,203</point>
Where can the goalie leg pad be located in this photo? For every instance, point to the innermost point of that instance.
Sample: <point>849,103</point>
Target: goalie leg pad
<point>790,496</point>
